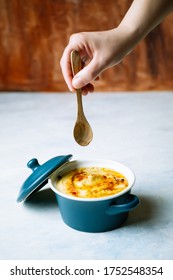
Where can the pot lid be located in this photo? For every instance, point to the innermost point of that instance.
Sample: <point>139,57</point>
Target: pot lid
<point>39,178</point>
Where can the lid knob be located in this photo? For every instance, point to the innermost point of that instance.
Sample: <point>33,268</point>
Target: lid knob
<point>33,164</point>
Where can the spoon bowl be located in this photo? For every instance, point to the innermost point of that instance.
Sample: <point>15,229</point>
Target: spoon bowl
<point>82,133</point>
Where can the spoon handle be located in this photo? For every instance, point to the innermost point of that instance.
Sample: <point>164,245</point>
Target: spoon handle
<point>76,64</point>
<point>82,130</point>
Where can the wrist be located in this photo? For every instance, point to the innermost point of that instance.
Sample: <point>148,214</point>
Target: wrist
<point>125,39</point>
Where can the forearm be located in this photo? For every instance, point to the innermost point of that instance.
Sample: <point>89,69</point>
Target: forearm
<point>102,50</point>
<point>144,15</point>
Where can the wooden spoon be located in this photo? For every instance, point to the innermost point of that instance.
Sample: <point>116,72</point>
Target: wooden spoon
<point>82,130</point>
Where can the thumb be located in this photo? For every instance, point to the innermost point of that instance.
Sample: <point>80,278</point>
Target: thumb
<point>86,75</point>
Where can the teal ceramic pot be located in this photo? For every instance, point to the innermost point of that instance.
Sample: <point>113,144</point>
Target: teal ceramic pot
<point>95,214</point>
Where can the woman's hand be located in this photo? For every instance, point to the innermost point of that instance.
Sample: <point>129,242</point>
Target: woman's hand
<point>101,50</point>
<point>98,51</point>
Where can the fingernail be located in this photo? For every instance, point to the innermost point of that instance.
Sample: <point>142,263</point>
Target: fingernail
<point>77,82</point>
<point>71,89</point>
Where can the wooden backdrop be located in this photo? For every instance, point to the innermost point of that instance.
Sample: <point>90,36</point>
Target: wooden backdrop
<point>33,34</point>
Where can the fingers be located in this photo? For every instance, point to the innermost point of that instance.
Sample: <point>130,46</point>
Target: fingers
<point>88,88</point>
<point>81,79</point>
<point>66,68</point>
<point>89,72</point>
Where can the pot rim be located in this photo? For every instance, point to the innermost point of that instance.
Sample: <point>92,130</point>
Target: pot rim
<point>98,162</point>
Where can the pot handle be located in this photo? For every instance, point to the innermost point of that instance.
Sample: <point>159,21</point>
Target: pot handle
<point>133,201</point>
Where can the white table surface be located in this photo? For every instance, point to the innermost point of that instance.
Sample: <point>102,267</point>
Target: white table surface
<point>133,128</point>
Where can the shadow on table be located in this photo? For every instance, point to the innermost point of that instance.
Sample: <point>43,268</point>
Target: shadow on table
<point>43,198</point>
<point>146,212</point>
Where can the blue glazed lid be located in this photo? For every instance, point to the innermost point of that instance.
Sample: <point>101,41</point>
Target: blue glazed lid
<point>39,178</point>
